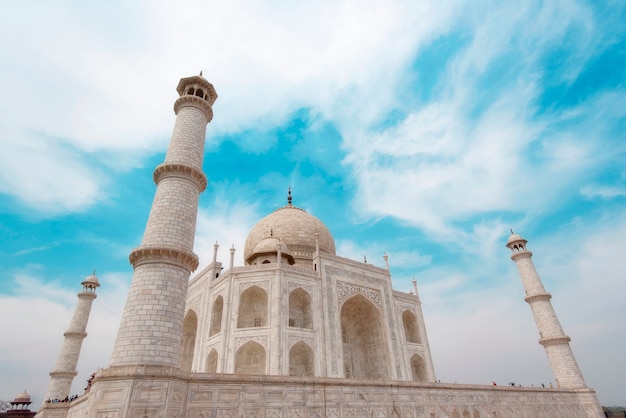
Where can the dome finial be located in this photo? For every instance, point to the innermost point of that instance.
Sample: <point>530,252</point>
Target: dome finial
<point>289,196</point>
<point>511,229</point>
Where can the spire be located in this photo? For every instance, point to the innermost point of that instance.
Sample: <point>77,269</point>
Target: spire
<point>65,369</point>
<point>289,196</point>
<point>551,335</point>
<point>152,321</point>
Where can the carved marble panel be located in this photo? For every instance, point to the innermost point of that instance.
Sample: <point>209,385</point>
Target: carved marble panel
<point>347,290</point>
<point>263,285</point>
<point>261,339</point>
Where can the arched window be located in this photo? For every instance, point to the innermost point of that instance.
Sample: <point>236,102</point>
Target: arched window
<point>301,360</point>
<point>188,342</point>
<point>250,359</point>
<point>366,354</point>
<point>411,330</point>
<point>191,91</point>
<point>300,314</point>
<point>418,369</point>
<point>200,93</point>
<point>252,308</point>
<point>216,316</point>
<point>211,362</point>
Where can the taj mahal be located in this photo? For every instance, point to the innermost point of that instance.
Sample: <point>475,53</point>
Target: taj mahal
<point>298,331</point>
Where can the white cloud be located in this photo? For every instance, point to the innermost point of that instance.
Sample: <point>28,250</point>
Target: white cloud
<point>37,315</point>
<point>602,191</point>
<point>103,92</point>
<point>227,224</point>
<point>480,328</point>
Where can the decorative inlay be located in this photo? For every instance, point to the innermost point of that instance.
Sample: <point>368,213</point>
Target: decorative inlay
<point>291,286</point>
<point>294,339</point>
<point>403,308</point>
<point>346,290</point>
<point>146,255</point>
<point>261,339</point>
<point>262,285</point>
<point>166,170</point>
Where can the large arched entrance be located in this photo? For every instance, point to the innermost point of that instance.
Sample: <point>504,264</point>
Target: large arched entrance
<point>365,349</point>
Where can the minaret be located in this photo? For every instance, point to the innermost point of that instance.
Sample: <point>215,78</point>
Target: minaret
<point>64,371</point>
<point>552,338</point>
<point>151,326</point>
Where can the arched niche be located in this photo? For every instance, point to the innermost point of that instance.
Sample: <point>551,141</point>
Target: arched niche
<point>418,369</point>
<point>211,362</point>
<point>366,354</point>
<point>216,316</point>
<point>300,314</point>
<point>252,308</point>
<point>188,341</point>
<point>301,360</point>
<point>250,359</point>
<point>411,330</point>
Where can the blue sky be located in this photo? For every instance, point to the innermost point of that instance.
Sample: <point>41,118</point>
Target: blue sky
<point>424,130</point>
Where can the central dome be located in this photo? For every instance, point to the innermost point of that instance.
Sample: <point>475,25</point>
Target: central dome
<point>295,228</point>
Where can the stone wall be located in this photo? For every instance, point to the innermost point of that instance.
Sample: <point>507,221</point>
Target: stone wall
<point>159,392</point>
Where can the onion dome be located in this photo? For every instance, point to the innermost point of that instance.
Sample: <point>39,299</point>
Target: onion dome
<point>295,229</point>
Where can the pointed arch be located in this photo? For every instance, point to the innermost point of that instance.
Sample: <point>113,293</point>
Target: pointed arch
<point>250,359</point>
<point>366,354</point>
<point>411,330</point>
<point>300,314</point>
<point>418,369</point>
<point>301,360</point>
<point>188,341</point>
<point>211,362</point>
<point>216,316</point>
<point>252,308</point>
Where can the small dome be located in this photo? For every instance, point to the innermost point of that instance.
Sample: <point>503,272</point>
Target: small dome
<point>22,398</point>
<point>514,238</point>
<point>92,280</point>
<point>295,228</point>
<point>270,245</point>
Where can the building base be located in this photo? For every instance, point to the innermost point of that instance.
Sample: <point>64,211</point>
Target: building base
<point>163,392</point>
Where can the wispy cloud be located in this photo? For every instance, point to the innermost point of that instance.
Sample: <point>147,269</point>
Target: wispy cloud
<point>35,249</point>
<point>36,316</point>
<point>438,125</point>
